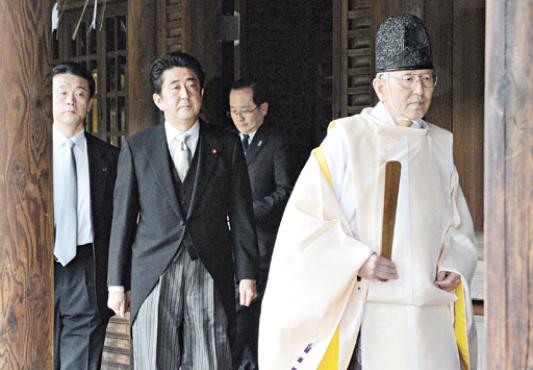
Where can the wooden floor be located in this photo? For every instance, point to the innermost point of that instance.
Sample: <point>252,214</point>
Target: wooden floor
<point>478,281</point>
<point>117,344</point>
<point>481,342</point>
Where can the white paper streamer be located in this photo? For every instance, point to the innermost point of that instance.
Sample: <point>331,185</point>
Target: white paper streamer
<point>93,23</point>
<point>55,17</point>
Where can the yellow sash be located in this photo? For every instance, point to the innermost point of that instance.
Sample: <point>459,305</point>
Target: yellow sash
<point>330,361</point>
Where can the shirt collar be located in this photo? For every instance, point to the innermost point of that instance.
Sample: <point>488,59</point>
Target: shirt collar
<point>380,113</point>
<point>250,135</point>
<point>172,132</point>
<point>59,138</point>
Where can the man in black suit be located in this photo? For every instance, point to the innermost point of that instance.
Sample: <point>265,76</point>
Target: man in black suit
<point>84,177</point>
<point>271,177</point>
<point>183,229</point>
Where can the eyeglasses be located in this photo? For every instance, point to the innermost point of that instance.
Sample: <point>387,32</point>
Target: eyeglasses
<point>408,81</point>
<point>244,112</point>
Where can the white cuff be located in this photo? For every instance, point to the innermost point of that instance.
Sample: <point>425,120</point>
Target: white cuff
<point>116,288</point>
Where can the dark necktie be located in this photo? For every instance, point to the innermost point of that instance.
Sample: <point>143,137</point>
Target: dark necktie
<point>245,142</point>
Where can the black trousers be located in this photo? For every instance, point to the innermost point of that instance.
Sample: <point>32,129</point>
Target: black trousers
<point>244,349</point>
<point>79,326</point>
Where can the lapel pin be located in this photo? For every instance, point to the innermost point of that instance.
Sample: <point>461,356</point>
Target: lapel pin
<point>260,143</point>
<point>104,169</point>
<point>214,152</point>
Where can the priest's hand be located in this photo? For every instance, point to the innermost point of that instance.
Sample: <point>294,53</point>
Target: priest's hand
<point>377,267</point>
<point>118,302</point>
<point>447,280</point>
<point>247,291</point>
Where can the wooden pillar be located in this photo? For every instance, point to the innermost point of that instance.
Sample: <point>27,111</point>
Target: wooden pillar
<point>509,184</point>
<point>142,51</point>
<point>201,25</point>
<point>26,226</point>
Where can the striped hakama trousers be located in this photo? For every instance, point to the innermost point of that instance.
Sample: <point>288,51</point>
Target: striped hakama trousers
<point>182,322</point>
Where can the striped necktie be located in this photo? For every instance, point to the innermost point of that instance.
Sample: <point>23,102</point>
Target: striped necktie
<point>245,142</point>
<point>182,156</point>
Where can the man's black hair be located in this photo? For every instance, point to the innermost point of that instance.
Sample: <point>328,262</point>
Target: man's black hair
<point>76,69</point>
<point>171,60</point>
<point>259,94</point>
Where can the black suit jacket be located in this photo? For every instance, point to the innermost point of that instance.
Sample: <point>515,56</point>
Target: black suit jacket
<point>145,192</point>
<point>271,177</point>
<point>102,174</point>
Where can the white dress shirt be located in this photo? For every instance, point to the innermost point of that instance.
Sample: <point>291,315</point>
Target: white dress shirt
<point>60,151</point>
<point>173,133</point>
<point>250,138</point>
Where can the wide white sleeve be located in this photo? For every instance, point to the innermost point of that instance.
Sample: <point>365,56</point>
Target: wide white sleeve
<point>460,255</point>
<point>335,152</point>
<point>313,276</point>
<point>459,252</point>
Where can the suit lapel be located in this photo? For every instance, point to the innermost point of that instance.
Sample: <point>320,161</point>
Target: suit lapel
<point>257,144</point>
<point>98,171</point>
<point>208,152</point>
<point>157,154</point>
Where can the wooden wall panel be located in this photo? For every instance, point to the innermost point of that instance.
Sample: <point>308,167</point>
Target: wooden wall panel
<point>339,59</point>
<point>359,56</point>
<point>415,7</point>
<point>171,24</point>
<point>26,220</point>
<point>467,103</point>
<point>174,25</point>
<point>508,184</point>
<point>324,83</point>
<point>440,13</point>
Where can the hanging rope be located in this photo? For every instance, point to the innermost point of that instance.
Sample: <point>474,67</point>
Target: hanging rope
<point>95,16</point>
<point>79,20</point>
<point>102,13</point>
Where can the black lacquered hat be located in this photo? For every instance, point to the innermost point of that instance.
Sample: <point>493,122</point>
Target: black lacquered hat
<point>402,43</point>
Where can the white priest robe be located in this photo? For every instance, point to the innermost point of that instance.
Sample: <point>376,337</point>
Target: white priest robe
<point>314,307</point>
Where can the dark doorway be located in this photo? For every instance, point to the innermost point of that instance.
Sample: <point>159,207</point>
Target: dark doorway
<point>287,45</point>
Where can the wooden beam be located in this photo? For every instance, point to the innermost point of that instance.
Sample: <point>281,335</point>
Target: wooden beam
<point>508,184</point>
<point>142,49</point>
<point>26,224</point>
